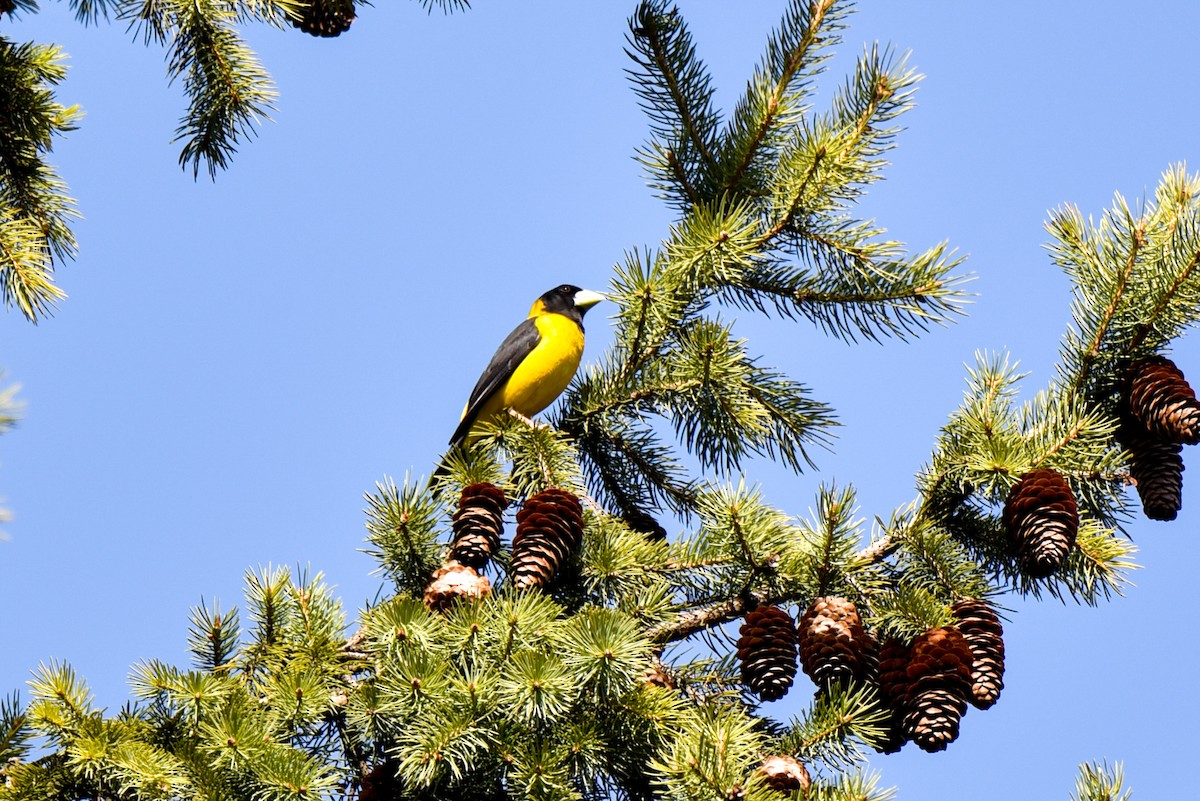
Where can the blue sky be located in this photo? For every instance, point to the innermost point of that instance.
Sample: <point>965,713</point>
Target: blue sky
<point>239,361</point>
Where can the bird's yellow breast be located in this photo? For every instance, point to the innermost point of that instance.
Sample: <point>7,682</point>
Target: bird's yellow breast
<point>548,369</point>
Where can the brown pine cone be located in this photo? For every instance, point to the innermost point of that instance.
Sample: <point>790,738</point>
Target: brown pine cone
<point>1156,468</point>
<point>1159,397</point>
<point>452,582</point>
<point>869,660</point>
<point>478,524</point>
<point>785,774</point>
<point>832,641</point>
<point>893,690</point>
<point>1043,519</point>
<point>657,675</point>
<point>979,623</point>
<point>767,650</point>
<point>939,676</point>
<point>549,531</point>
<point>326,17</point>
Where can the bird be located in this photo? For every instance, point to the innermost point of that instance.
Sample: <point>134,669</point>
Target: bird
<point>534,363</point>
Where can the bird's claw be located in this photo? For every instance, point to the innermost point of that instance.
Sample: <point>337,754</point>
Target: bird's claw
<point>527,421</point>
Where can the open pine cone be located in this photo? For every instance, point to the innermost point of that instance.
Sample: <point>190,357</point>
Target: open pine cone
<point>767,650</point>
<point>1043,519</point>
<point>1156,468</point>
<point>1159,397</point>
<point>939,684</point>
<point>832,641</point>
<point>549,531</point>
<point>985,637</point>
<point>477,525</point>
<point>785,774</point>
<point>453,582</point>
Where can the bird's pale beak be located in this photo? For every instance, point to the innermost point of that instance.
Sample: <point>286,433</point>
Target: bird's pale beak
<point>586,299</point>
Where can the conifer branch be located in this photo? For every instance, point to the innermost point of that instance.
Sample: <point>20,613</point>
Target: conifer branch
<point>229,91</point>
<point>35,211</point>
<point>447,6</point>
<point>775,95</point>
<point>693,621</point>
<point>89,12</point>
<point>1099,782</point>
<point>832,730</point>
<point>676,93</point>
<point>1106,317</point>
<point>1186,274</point>
<point>15,732</point>
<point>857,294</point>
<point>562,693</point>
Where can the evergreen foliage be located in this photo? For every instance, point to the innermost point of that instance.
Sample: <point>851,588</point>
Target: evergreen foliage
<point>1099,782</point>
<point>34,210</point>
<point>616,677</point>
<point>229,93</point>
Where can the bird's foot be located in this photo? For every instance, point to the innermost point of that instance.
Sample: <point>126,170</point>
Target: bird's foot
<point>527,421</point>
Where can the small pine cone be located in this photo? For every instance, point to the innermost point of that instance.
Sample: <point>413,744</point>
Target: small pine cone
<point>893,689</point>
<point>939,676</point>
<point>785,774</point>
<point>640,521</point>
<point>326,17</point>
<point>656,674</point>
<point>453,581</point>
<point>1043,519</point>
<point>832,641</point>
<point>985,637</point>
<point>477,525</point>
<point>1159,397</point>
<point>549,531</point>
<point>1156,468</point>
<point>7,6</point>
<point>767,650</point>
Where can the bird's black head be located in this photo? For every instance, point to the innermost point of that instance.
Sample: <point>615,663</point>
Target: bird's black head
<point>567,299</point>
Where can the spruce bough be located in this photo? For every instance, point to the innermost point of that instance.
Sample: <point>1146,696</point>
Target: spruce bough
<point>614,675</point>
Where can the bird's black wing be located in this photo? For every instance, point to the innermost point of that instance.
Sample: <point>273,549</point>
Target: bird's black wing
<point>512,351</point>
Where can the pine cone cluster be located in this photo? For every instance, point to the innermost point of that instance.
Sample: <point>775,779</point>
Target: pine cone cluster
<point>549,531</point>
<point>785,774</point>
<point>833,642</point>
<point>1043,519</point>
<point>478,524</point>
<point>985,637</point>
<point>326,17</point>
<point>767,650</point>
<point>925,687</point>
<point>1159,415</point>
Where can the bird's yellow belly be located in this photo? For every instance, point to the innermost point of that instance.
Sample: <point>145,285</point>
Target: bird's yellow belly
<point>547,370</point>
